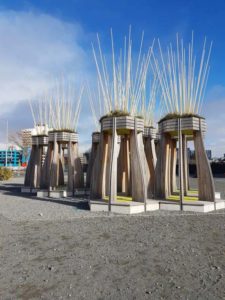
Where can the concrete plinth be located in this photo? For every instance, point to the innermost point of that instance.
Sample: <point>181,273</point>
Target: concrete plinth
<point>129,208</point>
<point>42,194</point>
<point>134,207</point>
<point>192,206</point>
<point>28,190</point>
<point>59,194</point>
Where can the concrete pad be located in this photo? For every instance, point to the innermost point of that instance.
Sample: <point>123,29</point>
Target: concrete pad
<point>217,195</point>
<point>81,192</point>
<point>25,190</point>
<point>123,208</point>
<point>201,206</point>
<point>152,205</point>
<point>220,204</point>
<point>58,194</point>
<point>42,193</point>
<point>54,194</point>
<point>194,206</point>
<point>169,206</point>
<point>118,207</point>
<point>28,190</point>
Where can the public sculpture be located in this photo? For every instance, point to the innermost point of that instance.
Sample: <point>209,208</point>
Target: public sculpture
<point>65,110</point>
<point>130,159</point>
<point>183,81</point>
<point>33,176</point>
<point>120,166</point>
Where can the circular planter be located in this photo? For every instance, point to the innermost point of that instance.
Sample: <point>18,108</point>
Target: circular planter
<point>41,140</point>
<point>124,124</point>
<point>188,125</point>
<point>63,137</point>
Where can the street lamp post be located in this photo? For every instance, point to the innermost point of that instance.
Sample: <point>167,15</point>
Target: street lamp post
<point>7,141</point>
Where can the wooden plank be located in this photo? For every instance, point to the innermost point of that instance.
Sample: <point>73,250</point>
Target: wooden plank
<point>113,167</point>
<point>139,169</point>
<point>150,152</point>
<point>181,174</point>
<point>206,188</point>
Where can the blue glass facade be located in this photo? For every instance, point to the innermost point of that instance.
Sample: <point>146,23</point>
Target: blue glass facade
<point>14,158</point>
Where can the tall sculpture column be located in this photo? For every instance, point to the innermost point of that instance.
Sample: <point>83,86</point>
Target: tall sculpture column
<point>150,152</point>
<point>104,177</point>
<point>34,170</point>
<point>94,147</point>
<point>165,168</point>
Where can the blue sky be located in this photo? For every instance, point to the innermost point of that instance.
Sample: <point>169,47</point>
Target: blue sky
<point>44,37</point>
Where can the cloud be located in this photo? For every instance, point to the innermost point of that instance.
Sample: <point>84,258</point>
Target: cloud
<point>214,111</point>
<point>34,49</point>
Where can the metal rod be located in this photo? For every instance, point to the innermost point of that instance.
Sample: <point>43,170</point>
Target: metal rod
<point>181,171</point>
<point>7,141</point>
<point>141,166</point>
<point>112,169</point>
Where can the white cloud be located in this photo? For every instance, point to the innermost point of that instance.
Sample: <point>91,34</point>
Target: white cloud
<point>33,49</point>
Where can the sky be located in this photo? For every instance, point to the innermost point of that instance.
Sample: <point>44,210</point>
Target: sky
<point>45,38</point>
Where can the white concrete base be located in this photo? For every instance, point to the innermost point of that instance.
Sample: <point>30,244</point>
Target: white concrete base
<point>42,193</point>
<point>152,205</point>
<point>119,207</point>
<point>81,192</point>
<point>217,195</point>
<point>194,206</point>
<point>61,193</point>
<point>129,208</point>
<point>28,190</point>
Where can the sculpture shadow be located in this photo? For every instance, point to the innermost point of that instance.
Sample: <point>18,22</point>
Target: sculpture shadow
<point>80,203</point>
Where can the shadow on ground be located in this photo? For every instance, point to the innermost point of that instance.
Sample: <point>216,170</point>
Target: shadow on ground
<point>14,189</point>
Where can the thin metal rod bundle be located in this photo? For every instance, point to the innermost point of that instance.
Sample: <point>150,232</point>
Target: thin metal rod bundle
<point>40,114</point>
<point>64,107</point>
<point>123,83</point>
<point>182,77</point>
<point>148,101</point>
<point>95,100</point>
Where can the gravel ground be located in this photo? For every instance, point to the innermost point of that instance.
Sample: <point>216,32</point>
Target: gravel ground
<point>59,250</point>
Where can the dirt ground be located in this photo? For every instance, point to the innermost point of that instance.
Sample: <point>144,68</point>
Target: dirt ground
<point>59,250</point>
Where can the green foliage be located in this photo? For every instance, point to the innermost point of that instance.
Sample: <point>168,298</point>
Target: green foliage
<point>62,130</point>
<point>41,135</point>
<point>139,117</point>
<point>177,115</point>
<point>119,113</point>
<point>5,173</point>
<point>115,113</point>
